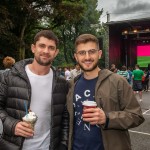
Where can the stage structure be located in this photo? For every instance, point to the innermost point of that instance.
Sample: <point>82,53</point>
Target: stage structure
<point>129,42</point>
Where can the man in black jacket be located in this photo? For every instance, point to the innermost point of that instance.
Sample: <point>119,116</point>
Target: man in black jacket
<point>33,84</point>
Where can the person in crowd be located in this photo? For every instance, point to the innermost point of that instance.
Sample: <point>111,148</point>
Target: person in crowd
<point>33,84</point>
<point>60,72</point>
<point>113,68</point>
<point>123,72</point>
<point>146,81</point>
<point>75,72</point>
<point>143,81</point>
<point>67,73</point>
<point>130,75</point>
<point>104,127</point>
<point>8,62</point>
<point>137,81</point>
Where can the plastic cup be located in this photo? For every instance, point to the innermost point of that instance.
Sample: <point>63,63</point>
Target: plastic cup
<point>30,121</point>
<point>89,104</point>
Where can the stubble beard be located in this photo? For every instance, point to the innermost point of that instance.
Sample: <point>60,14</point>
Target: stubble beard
<point>90,69</point>
<point>42,63</point>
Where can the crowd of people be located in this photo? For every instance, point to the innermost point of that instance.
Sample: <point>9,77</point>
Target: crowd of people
<point>137,78</point>
<point>69,73</point>
<point>57,100</point>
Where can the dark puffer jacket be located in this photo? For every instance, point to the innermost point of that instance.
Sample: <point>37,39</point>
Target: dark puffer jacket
<point>15,88</point>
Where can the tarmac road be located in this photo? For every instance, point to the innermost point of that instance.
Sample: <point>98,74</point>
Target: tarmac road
<point>140,136</point>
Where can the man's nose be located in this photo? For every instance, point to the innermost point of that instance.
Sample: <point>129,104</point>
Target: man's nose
<point>87,55</point>
<point>46,49</point>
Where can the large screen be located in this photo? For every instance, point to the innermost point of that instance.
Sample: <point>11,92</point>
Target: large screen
<point>143,55</point>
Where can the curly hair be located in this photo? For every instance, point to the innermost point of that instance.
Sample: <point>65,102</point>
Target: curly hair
<point>8,62</point>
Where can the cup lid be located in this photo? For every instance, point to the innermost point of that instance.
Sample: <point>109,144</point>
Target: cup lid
<point>89,103</point>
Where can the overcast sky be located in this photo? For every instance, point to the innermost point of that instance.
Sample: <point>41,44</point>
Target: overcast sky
<point>124,9</point>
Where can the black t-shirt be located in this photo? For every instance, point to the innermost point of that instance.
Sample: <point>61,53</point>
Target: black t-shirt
<point>86,136</point>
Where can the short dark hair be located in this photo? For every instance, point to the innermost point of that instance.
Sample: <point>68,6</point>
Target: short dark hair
<point>137,66</point>
<point>47,34</point>
<point>84,38</point>
<point>124,68</point>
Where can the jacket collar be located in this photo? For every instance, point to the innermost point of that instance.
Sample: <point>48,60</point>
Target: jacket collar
<point>19,67</point>
<point>102,75</point>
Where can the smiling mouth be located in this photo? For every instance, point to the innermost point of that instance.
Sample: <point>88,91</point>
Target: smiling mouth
<point>88,62</point>
<point>45,56</point>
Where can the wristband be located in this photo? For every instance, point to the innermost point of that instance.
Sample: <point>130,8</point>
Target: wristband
<point>107,121</point>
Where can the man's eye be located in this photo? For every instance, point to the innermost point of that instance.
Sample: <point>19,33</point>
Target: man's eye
<point>52,48</point>
<point>81,52</point>
<point>91,51</point>
<point>42,46</point>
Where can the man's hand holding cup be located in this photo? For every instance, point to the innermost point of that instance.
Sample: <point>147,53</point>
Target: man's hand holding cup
<point>93,114</point>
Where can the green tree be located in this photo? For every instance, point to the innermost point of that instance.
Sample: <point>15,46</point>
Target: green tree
<point>21,17</point>
<point>85,22</point>
<point>103,35</point>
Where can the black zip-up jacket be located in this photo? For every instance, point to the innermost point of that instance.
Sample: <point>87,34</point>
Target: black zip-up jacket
<point>15,88</point>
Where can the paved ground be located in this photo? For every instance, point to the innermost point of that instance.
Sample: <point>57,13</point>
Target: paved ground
<point>140,136</point>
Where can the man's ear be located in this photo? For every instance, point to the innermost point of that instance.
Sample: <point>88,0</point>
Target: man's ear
<point>75,56</point>
<point>100,53</point>
<point>33,48</point>
<point>56,53</point>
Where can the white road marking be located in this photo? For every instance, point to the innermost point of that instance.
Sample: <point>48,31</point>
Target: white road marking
<point>139,132</point>
<point>147,114</point>
<point>146,111</point>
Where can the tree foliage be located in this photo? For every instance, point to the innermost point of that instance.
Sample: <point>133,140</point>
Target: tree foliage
<point>86,22</point>
<point>21,19</point>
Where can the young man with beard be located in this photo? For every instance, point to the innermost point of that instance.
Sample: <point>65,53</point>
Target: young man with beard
<point>106,126</point>
<point>33,83</point>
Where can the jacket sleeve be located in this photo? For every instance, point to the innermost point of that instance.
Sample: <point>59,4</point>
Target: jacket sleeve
<point>65,124</point>
<point>9,123</point>
<point>65,130</point>
<point>128,113</point>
